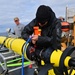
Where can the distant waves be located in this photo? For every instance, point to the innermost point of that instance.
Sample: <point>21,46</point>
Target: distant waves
<point>3,34</point>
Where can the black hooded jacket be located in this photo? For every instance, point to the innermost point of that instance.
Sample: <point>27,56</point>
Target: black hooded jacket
<point>50,33</point>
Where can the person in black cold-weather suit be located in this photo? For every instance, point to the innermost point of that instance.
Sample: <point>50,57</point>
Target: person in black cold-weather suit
<point>50,26</point>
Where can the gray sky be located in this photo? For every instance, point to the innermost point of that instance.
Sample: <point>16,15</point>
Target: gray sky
<point>26,9</point>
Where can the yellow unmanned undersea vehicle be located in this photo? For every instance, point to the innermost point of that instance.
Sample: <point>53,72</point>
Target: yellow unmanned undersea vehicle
<point>61,63</point>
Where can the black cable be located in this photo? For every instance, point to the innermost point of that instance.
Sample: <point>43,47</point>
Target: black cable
<point>5,72</point>
<point>2,72</point>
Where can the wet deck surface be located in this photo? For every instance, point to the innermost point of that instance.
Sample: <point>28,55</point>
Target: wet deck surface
<point>27,71</point>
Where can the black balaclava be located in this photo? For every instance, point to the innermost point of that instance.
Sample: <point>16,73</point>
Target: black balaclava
<point>44,13</point>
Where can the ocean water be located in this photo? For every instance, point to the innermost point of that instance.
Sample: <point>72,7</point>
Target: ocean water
<point>3,34</point>
<point>3,28</point>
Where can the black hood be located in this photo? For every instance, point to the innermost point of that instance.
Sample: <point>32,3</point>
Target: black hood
<point>45,13</point>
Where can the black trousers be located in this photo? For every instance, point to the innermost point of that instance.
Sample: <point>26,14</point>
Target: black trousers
<point>44,54</point>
